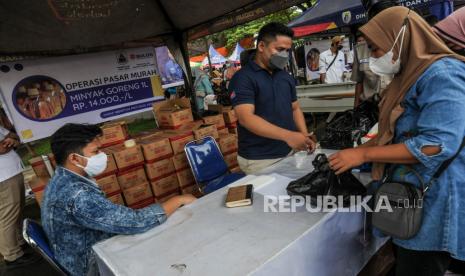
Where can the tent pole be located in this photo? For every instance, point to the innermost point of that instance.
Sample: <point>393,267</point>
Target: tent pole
<point>208,56</point>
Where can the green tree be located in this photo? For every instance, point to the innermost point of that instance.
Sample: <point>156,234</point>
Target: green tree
<point>237,33</point>
<point>230,37</point>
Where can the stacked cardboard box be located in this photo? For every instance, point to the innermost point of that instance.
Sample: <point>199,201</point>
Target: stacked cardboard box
<point>228,146</point>
<point>109,185</point>
<point>51,157</point>
<point>185,179</point>
<point>114,133</point>
<point>178,139</point>
<point>156,148</point>
<point>205,130</point>
<point>172,114</point>
<point>127,158</point>
<point>229,115</point>
<point>37,185</point>
<point>117,199</point>
<point>217,120</point>
<point>38,165</point>
<point>108,180</point>
<point>131,175</point>
<point>232,128</point>
<point>229,118</point>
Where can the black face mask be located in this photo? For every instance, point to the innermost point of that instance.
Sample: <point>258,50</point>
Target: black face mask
<point>339,47</point>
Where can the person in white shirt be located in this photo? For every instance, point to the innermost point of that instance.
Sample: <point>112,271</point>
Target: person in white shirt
<point>332,62</point>
<point>12,199</point>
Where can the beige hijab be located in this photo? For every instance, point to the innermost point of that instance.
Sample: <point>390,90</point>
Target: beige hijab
<point>420,49</point>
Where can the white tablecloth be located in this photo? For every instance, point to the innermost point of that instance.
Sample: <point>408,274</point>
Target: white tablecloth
<point>206,238</point>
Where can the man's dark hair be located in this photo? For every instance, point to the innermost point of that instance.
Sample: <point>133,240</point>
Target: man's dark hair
<point>270,31</point>
<point>72,138</point>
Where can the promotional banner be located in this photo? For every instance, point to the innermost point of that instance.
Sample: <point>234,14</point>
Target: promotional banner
<point>44,94</point>
<point>170,72</point>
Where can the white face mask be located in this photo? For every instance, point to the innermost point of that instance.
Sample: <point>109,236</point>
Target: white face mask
<point>383,65</point>
<point>95,164</point>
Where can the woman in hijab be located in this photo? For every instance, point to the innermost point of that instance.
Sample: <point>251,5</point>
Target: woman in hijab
<point>452,31</point>
<point>421,124</point>
<point>203,87</point>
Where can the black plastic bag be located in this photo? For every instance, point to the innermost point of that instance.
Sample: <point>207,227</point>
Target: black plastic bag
<point>350,126</point>
<point>323,181</point>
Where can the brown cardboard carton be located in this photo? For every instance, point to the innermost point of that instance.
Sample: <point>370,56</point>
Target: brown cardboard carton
<point>113,133</point>
<point>166,197</point>
<point>217,120</point>
<point>51,157</point>
<point>204,131</point>
<point>216,108</point>
<point>228,143</point>
<point>132,177</point>
<point>231,159</point>
<point>39,195</point>
<point>165,185</point>
<point>117,199</point>
<point>127,157</point>
<point>178,139</point>
<point>232,128</point>
<point>229,115</point>
<point>156,148</point>
<point>159,169</point>
<point>137,194</point>
<point>38,165</point>
<point>180,161</point>
<point>185,178</point>
<point>146,135</point>
<point>142,204</point>
<point>109,185</point>
<point>111,165</point>
<point>171,114</point>
<point>223,131</point>
<point>191,126</point>
<point>192,189</point>
<point>38,183</point>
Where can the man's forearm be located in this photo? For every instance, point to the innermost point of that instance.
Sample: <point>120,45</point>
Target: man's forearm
<point>263,128</point>
<point>299,121</point>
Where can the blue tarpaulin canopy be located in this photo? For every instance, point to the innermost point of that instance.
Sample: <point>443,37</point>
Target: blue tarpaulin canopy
<point>330,14</point>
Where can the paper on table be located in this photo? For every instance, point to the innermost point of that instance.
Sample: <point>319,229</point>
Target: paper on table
<point>258,182</point>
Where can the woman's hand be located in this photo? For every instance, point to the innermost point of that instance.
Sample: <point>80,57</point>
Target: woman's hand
<point>347,159</point>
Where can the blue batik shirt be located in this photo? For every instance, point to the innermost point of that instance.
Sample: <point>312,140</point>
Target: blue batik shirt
<point>76,215</point>
<point>434,115</point>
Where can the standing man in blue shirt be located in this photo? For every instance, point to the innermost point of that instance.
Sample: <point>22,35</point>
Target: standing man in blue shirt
<point>76,214</point>
<point>271,123</point>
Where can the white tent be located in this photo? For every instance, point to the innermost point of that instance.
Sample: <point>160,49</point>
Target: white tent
<point>215,57</point>
<point>236,55</point>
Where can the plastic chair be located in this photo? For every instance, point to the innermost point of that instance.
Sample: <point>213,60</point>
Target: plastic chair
<point>36,238</point>
<point>208,166</point>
